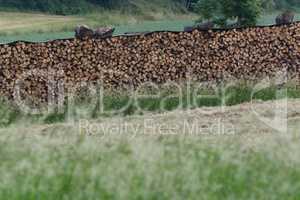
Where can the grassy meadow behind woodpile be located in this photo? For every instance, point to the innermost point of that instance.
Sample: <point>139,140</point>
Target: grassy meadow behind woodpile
<point>38,27</point>
<point>42,27</point>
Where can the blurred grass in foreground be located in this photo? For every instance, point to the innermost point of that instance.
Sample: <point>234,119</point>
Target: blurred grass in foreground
<point>40,166</point>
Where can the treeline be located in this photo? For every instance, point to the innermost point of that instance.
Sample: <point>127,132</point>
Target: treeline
<point>50,6</point>
<point>60,6</point>
<point>66,7</point>
<point>266,4</point>
<point>281,4</point>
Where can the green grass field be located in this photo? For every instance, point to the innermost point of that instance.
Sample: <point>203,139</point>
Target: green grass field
<point>139,27</point>
<point>62,161</point>
<point>41,27</point>
<point>37,27</point>
<point>126,104</point>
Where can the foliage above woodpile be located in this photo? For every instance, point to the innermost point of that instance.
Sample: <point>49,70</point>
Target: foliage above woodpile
<point>242,12</point>
<point>132,6</point>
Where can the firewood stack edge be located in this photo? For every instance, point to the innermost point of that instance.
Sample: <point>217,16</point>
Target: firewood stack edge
<point>117,62</point>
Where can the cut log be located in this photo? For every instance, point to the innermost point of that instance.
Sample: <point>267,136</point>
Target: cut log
<point>101,33</point>
<point>83,32</point>
<point>285,18</point>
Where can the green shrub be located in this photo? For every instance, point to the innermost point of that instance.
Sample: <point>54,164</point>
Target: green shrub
<point>244,12</point>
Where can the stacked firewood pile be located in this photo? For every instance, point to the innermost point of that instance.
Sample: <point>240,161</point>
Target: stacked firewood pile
<point>40,70</point>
